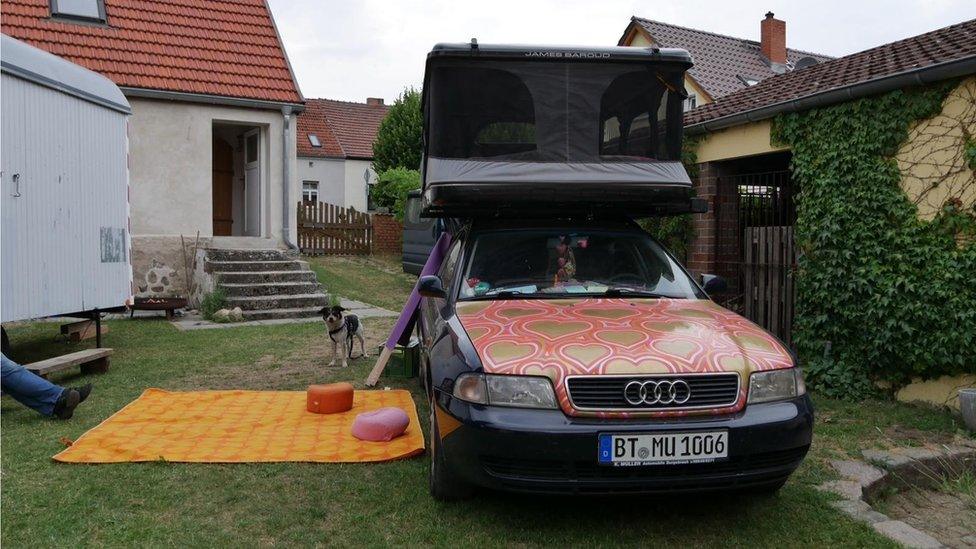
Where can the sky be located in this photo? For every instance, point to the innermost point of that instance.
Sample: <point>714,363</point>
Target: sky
<point>354,49</point>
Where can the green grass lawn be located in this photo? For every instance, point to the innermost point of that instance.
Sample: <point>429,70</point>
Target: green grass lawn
<point>378,280</point>
<point>45,503</point>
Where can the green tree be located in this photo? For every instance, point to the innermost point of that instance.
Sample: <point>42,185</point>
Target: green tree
<point>392,187</point>
<point>399,140</point>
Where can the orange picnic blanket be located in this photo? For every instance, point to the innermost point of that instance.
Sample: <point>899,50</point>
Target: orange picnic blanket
<point>240,427</point>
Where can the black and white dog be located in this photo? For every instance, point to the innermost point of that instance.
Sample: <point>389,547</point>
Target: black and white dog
<point>342,329</point>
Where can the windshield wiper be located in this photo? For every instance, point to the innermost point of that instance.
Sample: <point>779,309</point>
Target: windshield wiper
<point>617,291</point>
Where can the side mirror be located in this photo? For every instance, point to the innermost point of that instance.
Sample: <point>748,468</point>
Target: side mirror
<point>430,286</point>
<point>714,284</point>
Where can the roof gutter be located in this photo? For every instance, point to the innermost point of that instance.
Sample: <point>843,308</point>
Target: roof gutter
<point>210,99</point>
<point>914,77</point>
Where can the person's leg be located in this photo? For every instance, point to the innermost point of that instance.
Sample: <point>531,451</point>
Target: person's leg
<point>28,388</point>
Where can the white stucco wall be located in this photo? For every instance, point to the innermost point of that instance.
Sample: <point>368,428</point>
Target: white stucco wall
<point>341,181</point>
<point>356,183</point>
<point>331,175</point>
<point>170,157</point>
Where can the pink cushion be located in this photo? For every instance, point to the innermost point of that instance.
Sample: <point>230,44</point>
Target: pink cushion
<point>381,425</point>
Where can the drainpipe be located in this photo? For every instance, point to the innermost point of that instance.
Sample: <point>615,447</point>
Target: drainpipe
<point>286,179</point>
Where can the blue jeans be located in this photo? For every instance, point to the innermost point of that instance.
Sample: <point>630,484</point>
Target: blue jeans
<point>28,388</point>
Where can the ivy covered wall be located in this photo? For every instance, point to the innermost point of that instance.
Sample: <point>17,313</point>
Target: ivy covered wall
<point>882,293</point>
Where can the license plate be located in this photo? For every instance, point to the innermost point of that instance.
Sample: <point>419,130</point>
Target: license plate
<point>663,448</point>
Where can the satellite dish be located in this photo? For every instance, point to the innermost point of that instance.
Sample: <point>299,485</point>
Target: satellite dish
<point>805,62</point>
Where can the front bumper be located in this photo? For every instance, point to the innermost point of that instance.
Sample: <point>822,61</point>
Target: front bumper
<point>548,452</point>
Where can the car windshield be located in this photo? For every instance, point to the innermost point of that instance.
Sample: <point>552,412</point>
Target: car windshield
<point>556,263</point>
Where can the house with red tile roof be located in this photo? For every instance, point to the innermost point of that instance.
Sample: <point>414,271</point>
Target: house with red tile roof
<point>723,64</point>
<point>335,150</point>
<point>212,132</point>
<point>747,234</point>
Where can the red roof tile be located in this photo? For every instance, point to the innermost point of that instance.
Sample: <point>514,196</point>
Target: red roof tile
<point>721,62</point>
<point>939,46</point>
<point>224,48</point>
<point>345,129</point>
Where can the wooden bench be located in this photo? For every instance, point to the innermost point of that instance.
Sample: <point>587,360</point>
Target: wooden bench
<point>81,330</point>
<point>90,360</point>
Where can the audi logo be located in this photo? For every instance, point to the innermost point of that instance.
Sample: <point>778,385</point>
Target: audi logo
<point>665,391</point>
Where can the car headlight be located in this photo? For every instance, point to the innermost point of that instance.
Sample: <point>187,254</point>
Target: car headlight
<point>497,390</point>
<point>776,385</point>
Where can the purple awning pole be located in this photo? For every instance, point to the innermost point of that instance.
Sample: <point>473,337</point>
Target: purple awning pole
<point>433,263</point>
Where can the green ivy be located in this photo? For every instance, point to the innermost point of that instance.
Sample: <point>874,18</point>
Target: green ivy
<point>675,232</point>
<point>881,294</point>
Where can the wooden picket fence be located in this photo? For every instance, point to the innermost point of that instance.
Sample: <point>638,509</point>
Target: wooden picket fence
<point>769,260</point>
<point>327,229</point>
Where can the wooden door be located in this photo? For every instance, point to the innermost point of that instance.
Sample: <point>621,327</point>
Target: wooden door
<point>223,188</point>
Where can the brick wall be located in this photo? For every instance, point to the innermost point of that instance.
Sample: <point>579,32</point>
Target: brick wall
<point>701,251</point>
<point>387,234</point>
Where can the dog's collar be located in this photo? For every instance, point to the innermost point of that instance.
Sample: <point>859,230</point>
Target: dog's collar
<point>337,330</point>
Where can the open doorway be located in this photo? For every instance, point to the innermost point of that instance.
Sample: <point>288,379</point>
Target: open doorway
<point>236,179</point>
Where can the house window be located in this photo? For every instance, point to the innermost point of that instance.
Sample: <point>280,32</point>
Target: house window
<point>314,140</point>
<point>690,102</point>
<point>748,80</point>
<point>310,191</point>
<point>251,148</point>
<point>84,10</point>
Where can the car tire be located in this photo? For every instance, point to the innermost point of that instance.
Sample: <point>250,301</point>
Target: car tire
<point>444,484</point>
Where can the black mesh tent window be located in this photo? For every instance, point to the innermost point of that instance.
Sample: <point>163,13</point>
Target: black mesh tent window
<point>562,112</point>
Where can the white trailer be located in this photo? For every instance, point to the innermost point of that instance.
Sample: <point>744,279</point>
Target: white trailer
<point>65,208</point>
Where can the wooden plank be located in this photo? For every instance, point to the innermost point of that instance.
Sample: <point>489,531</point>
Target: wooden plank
<point>761,278</point>
<point>775,285</point>
<point>81,330</point>
<point>64,362</point>
<point>748,291</point>
<point>330,229</point>
<point>789,290</point>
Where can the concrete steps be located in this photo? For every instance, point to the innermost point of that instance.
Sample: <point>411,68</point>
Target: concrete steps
<point>270,289</point>
<point>266,277</point>
<point>266,283</point>
<point>249,255</point>
<point>253,266</point>
<point>274,314</point>
<point>264,302</point>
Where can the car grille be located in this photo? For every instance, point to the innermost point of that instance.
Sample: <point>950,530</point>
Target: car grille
<point>607,392</point>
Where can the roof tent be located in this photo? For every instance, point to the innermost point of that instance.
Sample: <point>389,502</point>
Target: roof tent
<point>553,129</point>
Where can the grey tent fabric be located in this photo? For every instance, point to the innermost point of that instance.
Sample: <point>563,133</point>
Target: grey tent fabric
<point>527,129</point>
<point>445,170</point>
<point>560,111</point>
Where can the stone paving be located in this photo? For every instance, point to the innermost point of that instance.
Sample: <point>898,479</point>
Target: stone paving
<point>864,480</point>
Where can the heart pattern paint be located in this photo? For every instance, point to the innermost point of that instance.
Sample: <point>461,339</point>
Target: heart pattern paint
<point>559,338</point>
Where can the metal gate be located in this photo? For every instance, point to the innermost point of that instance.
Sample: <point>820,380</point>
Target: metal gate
<point>755,248</point>
<point>327,229</point>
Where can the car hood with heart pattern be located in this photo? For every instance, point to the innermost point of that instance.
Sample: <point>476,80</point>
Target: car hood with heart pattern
<point>591,336</point>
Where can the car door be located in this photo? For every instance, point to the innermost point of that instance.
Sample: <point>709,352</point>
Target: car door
<point>419,235</point>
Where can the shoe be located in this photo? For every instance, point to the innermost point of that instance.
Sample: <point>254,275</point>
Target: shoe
<point>64,408</point>
<point>83,392</point>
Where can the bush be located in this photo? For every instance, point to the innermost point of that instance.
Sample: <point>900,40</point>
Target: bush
<point>213,302</point>
<point>675,232</point>
<point>881,294</point>
<point>392,187</point>
<point>399,139</point>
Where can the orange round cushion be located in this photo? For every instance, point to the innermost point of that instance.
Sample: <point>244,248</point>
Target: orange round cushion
<point>329,399</point>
